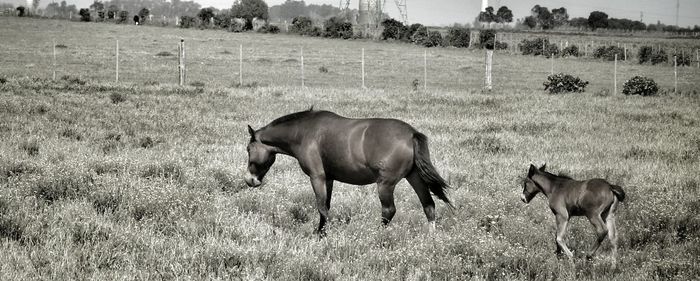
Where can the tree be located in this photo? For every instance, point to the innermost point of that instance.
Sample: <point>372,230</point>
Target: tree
<point>579,22</point>
<point>487,16</point>
<point>292,9</point>
<point>248,10</point>
<point>143,14</point>
<point>205,15</point>
<point>338,28</point>
<point>35,5</point>
<point>543,16</point>
<point>597,19</point>
<point>98,7</point>
<point>530,22</point>
<point>504,14</point>
<point>123,16</point>
<point>560,16</point>
<point>112,11</point>
<point>84,14</point>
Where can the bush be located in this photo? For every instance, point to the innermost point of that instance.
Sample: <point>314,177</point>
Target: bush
<point>408,32</point>
<point>84,14</point>
<point>116,97</point>
<point>304,26</point>
<point>560,83</point>
<point>427,38</point>
<point>683,59</point>
<point>268,28</point>
<point>123,16</point>
<point>338,28</point>
<point>187,22</point>
<point>609,52</point>
<point>644,54</point>
<point>392,29</point>
<point>457,37</point>
<point>659,57</point>
<point>539,47</point>
<point>570,51</point>
<point>639,85</point>
<point>487,37</point>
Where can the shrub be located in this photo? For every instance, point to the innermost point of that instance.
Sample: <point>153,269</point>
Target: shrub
<point>427,38</point>
<point>683,59</point>
<point>539,47</point>
<point>434,39</point>
<point>304,26</point>
<point>323,69</point>
<point>123,16</point>
<point>609,52</point>
<point>268,28</point>
<point>639,85</point>
<point>457,37</point>
<point>338,28</point>
<point>392,29</point>
<point>84,14</point>
<point>187,22</point>
<point>570,51</point>
<point>146,142</point>
<point>560,83</point>
<point>644,54</point>
<point>659,57</point>
<point>117,97</point>
<point>420,36</point>
<point>407,33</point>
<point>647,54</point>
<point>487,39</point>
<point>164,54</point>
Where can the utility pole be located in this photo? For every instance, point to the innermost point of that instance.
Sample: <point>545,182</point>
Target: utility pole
<point>678,6</point>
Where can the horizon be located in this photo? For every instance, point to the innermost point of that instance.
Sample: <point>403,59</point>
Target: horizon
<point>449,12</point>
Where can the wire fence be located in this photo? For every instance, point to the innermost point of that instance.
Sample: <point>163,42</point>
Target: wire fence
<point>222,59</point>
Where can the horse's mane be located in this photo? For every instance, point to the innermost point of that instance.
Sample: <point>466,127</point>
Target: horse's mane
<point>291,117</point>
<point>562,175</point>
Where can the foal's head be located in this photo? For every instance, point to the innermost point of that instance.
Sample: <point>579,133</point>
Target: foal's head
<point>260,158</point>
<point>530,187</point>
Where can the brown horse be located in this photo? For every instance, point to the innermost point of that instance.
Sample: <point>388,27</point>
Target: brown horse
<point>332,148</point>
<point>595,198</point>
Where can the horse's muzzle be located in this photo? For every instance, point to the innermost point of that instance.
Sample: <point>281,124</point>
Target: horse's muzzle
<point>523,198</point>
<point>252,181</point>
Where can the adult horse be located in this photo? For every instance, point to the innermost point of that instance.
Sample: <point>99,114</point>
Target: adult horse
<point>332,148</point>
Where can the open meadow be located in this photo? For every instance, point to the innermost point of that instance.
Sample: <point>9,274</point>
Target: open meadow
<point>143,179</point>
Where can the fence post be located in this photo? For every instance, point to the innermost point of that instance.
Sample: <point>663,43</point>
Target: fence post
<point>675,75</point>
<point>697,57</point>
<point>116,65</point>
<point>552,65</point>
<point>489,61</point>
<point>425,70</point>
<point>363,68</point>
<point>54,60</point>
<point>625,51</point>
<point>615,77</point>
<point>302,67</point>
<point>181,68</point>
<point>240,65</point>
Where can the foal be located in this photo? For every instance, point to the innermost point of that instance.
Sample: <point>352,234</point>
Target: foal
<point>595,198</point>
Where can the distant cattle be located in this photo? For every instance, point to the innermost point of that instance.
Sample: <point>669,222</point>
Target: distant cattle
<point>137,20</point>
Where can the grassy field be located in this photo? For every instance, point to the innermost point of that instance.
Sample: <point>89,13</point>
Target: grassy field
<point>143,180</point>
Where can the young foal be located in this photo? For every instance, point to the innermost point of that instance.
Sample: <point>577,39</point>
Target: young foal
<point>595,198</point>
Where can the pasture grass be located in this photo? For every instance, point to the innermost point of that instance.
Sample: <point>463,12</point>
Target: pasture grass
<point>151,187</point>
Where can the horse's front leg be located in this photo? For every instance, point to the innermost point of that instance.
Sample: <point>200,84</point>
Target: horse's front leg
<point>562,221</point>
<point>323,198</point>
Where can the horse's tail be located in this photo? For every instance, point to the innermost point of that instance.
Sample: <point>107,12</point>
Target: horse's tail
<point>421,157</point>
<point>619,193</point>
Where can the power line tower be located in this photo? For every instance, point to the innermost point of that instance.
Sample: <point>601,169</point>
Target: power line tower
<point>401,5</point>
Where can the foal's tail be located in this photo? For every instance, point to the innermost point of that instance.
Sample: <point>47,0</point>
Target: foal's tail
<point>619,193</point>
<point>426,170</point>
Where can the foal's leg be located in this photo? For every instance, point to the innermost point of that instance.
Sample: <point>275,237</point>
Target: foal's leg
<point>424,196</point>
<point>601,232</point>
<point>562,221</point>
<point>612,229</point>
<point>386,197</point>
<point>323,198</point>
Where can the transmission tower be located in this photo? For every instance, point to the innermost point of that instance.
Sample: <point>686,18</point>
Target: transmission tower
<point>401,5</point>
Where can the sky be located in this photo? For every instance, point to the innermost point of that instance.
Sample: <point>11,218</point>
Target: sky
<point>448,12</point>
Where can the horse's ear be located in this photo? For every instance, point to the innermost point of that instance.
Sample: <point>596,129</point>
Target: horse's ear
<point>251,132</point>
<point>544,166</point>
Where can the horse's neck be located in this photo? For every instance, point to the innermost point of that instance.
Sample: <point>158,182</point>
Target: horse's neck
<point>549,183</point>
<point>282,138</point>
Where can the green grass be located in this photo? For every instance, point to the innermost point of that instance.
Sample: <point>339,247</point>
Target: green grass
<point>104,180</point>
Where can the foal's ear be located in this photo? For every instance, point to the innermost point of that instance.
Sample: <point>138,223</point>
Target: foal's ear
<point>544,166</point>
<point>531,171</point>
<point>251,132</point>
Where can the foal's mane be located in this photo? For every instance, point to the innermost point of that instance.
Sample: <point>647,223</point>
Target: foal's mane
<point>291,117</point>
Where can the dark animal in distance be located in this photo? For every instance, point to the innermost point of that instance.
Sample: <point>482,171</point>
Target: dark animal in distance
<point>595,198</point>
<point>332,148</point>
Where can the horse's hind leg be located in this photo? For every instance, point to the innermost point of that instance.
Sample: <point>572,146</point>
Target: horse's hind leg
<point>601,232</point>
<point>386,197</point>
<point>322,189</point>
<point>562,221</point>
<point>424,196</point>
<point>612,229</point>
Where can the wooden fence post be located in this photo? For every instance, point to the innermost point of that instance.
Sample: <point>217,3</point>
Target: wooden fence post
<point>615,77</point>
<point>489,60</point>
<point>116,65</point>
<point>675,75</point>
<point>425,70</point>
<point>240,65</point>
<point>302,67</point>
<point>54,60</point>
<point>363,68</point>
<point>182,69</point>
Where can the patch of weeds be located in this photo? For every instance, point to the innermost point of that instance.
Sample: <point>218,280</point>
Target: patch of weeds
<point>264,60</point>
<point>414,84</point>
<point>31,147</point>
<point>88,233</point>
<point>164,54</point>
<point>73,80</point>
<point>117,97</point>
<point>486,102</point>
<point>62,184</point>
<point>71,133</point>
<point>226,52</point>
<point>3,80</point>
<point>40,109</point>
<point>12,169</point>
<point>247,85</point>
<point>487,144</point>
<point>151,83</point>
<point>168,170</point>
<point>146,142</point>
<point>61,46</point>
<point>197,84</point>
<point>103,167</point>
<point>10,228</point>
<point>323,69</point>
<point>299,214</point>
<point>227,182</point>
<point>290,60</point>
<point>106,202</point>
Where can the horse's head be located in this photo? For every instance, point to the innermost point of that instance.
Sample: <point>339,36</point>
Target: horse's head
<point>530,187</point>
<point>260,158</point>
